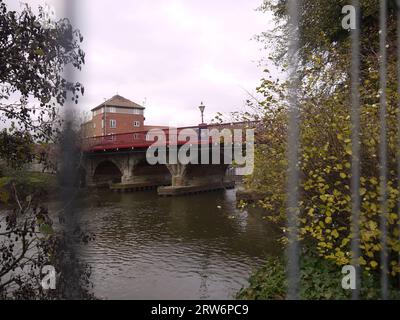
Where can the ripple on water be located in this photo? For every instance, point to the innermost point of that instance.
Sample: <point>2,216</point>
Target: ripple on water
<point>173,248</point>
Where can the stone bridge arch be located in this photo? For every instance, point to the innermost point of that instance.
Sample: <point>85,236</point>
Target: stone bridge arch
<point>107,172</point>
<point>143,172</point>
<point>102,170</point>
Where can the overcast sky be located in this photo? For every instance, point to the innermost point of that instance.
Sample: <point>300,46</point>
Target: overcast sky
<point>173,54</point>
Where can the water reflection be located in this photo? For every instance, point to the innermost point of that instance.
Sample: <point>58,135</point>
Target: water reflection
<point>195,247</point>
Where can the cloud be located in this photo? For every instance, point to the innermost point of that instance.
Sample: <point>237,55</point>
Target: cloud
<point>173,53</point>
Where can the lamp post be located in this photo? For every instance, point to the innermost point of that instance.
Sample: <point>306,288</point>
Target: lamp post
<point>202,107</point>
<point>202,124</point>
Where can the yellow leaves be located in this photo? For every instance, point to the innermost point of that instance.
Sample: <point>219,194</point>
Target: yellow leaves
<point>327,198</point>
<point>342,261</point>
<point>368,236</point>
<point>373,181</point>
<point>362,261</point>
<point>371,142</point>
<point>343,175</point>
<point>348,150</point>
<point>373,264</point>
<point>372,225</point>
<point>322,244</point>
<point>395,267</point>
<point>392,218</point>
<point>327,169</point>
<point>328,220</point>
<point>376,247</point>
<point>335,233</point>
<point>337,193</point>
<point>345,241</point>
<point>39,51</point>
<point>374,207</point>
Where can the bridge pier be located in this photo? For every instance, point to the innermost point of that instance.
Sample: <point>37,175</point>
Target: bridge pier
<point>178,173</point>
<point>127,170</point>
<point>189,179</point>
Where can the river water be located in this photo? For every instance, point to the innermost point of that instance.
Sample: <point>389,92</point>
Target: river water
<point>193,247</point>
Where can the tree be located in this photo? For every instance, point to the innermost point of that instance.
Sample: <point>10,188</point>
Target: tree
<point>16,148</point>
<point>320,26</point>
<point>29,242</point>
<point>325,148</point>
<point>33,56</point>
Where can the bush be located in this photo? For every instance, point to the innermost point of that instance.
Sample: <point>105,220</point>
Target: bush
<point>319,280</point>
<point>25,184</point>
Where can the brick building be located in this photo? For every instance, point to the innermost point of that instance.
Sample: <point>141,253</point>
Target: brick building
<point>116,115</point>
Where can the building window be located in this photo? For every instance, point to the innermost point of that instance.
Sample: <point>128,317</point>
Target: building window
<point>137,111</point>
<point>102,123</point>
<point>136,123</point>
<point>113,123</point>
<point>94,125</point>
<point>136,136</point>
<point>112,109</point>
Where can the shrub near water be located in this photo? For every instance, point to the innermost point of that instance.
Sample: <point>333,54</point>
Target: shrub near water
<point>319,280</point>
<point>26,184</point>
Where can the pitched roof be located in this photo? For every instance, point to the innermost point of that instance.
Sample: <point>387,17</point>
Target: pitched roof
<point>118,101</point>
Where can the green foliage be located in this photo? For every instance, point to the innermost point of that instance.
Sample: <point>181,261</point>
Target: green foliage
<point>267,283</point>
<point>319,280</point>
<point>33,57</point>
<point>16,148</point>
<point>46,229</point>
<point>320,26</point>
<point>26,184</point>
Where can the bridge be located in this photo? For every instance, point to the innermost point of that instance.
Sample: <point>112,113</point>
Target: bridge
<point>127,161</point>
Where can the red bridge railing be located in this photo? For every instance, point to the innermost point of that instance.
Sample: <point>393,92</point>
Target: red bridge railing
<point>147,138</point>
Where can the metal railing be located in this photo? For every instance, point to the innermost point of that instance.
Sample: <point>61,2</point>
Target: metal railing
<point>167,136</point>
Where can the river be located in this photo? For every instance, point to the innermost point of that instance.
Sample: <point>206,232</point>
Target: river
<point>193,247</point>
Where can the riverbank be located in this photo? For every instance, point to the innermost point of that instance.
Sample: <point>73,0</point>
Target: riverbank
<point>27,183</point>
<point>249,196</point>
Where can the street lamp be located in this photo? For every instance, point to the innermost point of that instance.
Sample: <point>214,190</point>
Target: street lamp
<point>202,107</point>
